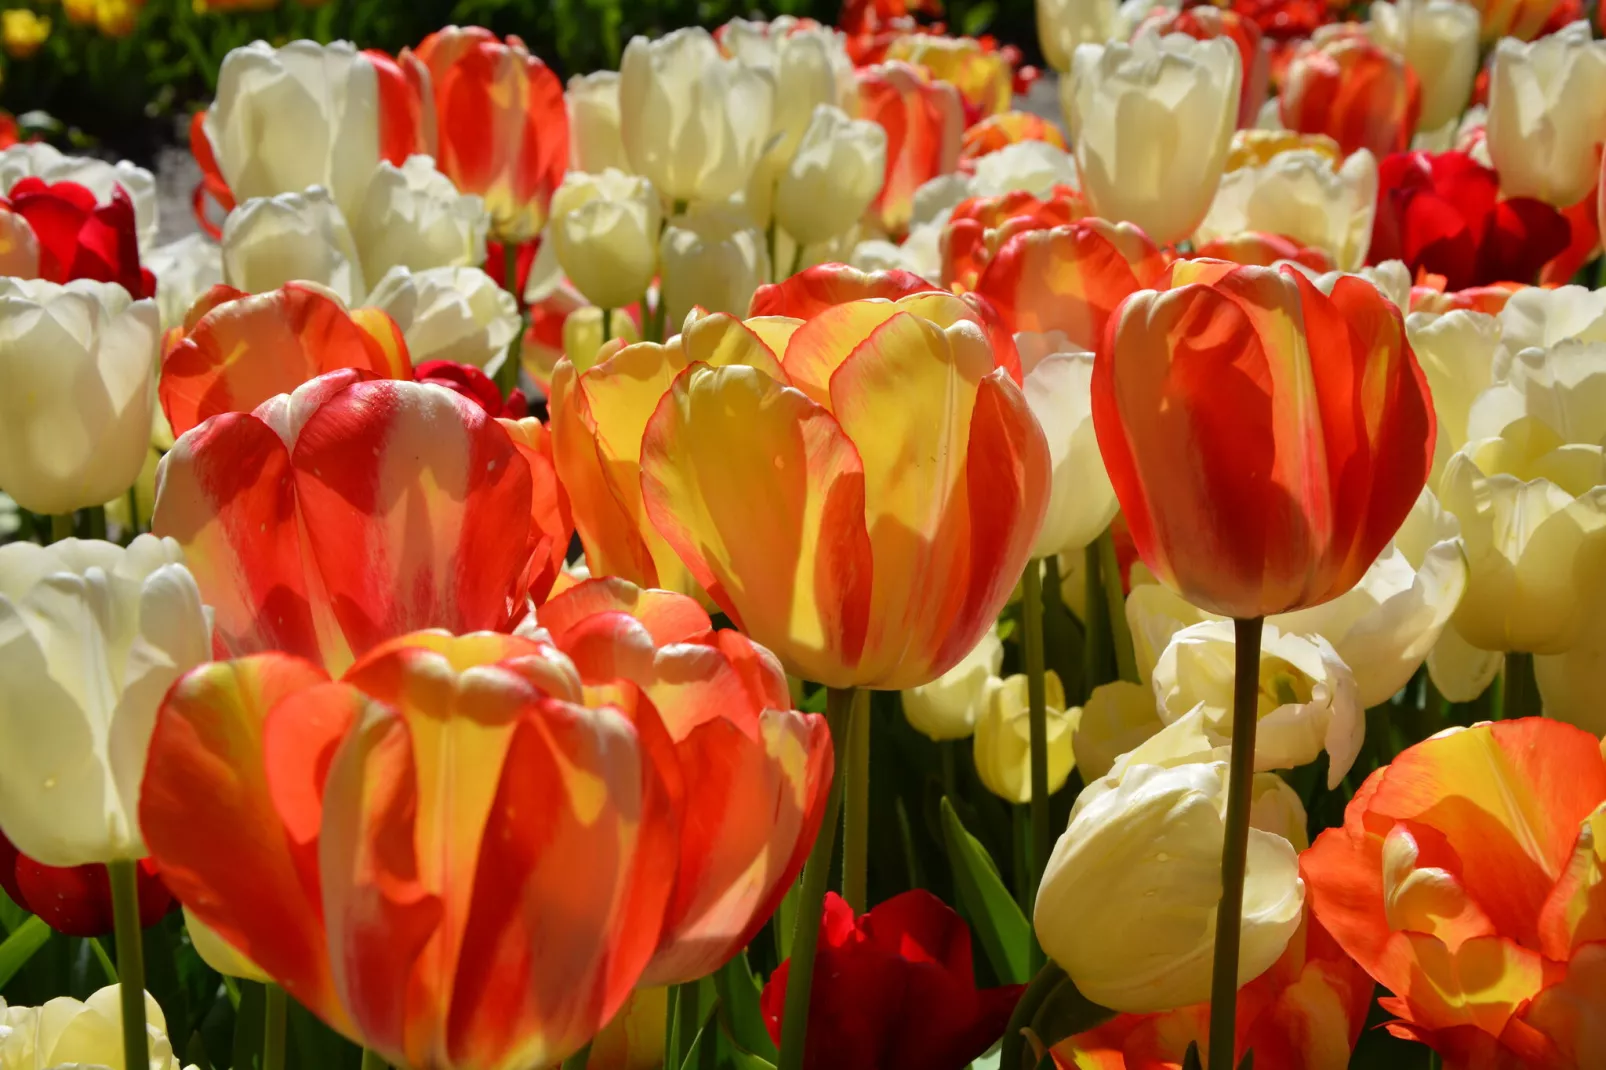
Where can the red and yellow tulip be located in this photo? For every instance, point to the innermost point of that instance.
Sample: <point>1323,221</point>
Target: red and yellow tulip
<point>924,120</point>
<point>980,226</point>
<point>1355,91</point>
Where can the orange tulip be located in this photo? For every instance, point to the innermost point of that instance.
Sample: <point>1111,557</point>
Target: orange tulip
<point>351,511</point>
<point>756,771</point>
<point>1264,250</point>
<point>504,127</point>
<point>982,76</point>
<point>1469,879</point>
<point>1429,295</point>
<point>924,121</point>
<point>1358,93</point>
<point>980,226</point>
<point>859,492</point>
<point>1522,19</point>
<point>1205,22</point>
<point>236,350</point>
<point>1070,278</point>
<point>1003,130</point>
<point>452,854</point>
<point>1265,440</point>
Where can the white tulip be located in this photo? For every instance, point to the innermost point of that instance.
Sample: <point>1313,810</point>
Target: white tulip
<point>413,217</point>
<point>79,365</point>
<point>808,65</point>
<point>714,257</point>
<point>1300,195</point>
<point>38,160</point>
<point>594,140</point>
<point>92,635</point>
<point>292,237</point>
<point>1062,25</point>
<point>1537,318</point>
<point>604,231</point>
<point>1118,717</point>
<point>950,706</point>
<point>450,313</point>
<point>185,270</point>
<point>1439,40</point>
<point>1457,353</point>
<point>1564,386</point>
<point>1003,744</point>
<point>66,1034</point>
<point>835,174</point>
<point>1547,115</point>
<point>1569,684</point>
<point>1058,387</point>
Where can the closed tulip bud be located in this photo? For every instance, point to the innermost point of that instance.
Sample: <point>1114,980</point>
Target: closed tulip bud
<point>1301,195</point>
<point>595,143</point>
<point>808,64</point>
<point>185,270</point>
<point>951,705</point>
<point>1547,111</point>
<point>93,636</point>
<point>42,161</point>
<point>413,217</point>
<point>834,175</point>
<point>1357,92</point>
<point>605,230</point>
<point>1152,122</point>
<point>1003,746</point>
<point>1062,25</point>
<point>584,337</point>
<point>1117,717</point>
<point>1127,906</point>
<point>292,237</point>
<point>712,257</point>
<point>680,82</point>
<point>1439,40</point>
<point>68,1033</point>
<point>1058,386</point>
<point>459,314</point>
<point>80,362</point>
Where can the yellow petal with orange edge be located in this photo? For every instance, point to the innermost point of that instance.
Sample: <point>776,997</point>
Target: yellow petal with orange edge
<point>819,347</point>
<point>1481,984</point>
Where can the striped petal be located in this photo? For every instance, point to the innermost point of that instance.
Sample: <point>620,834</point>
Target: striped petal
<point>551,523</point>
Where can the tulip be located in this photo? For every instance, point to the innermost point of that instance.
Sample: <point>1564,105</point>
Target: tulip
<point>694,122</point>
<point>595,143</point>
<point>413,217</point>
<point>950,706</point>
<point>1547,108</point>
<point>1253,248</point>
<point>382,507</point>
<point>1302,196</point>
<point>23,32</point>
<point>77,239</point>
<point>1294,539</point>
<point>979,226</point>
<point>1117,717</point>
<point>1442,213</point>
<point>185,270</point>
<point>902,993</point>
<point>1439,41</point>
<point>80,362</point>
<point>505,130</point>
<point>757,772</point>
<point>584,336</point>
<point>807,64</point>
<point>76,900</point>
<point>292,237</point>
<point>1521,19</point>
<point>1466,880</point>
<point>19,246</point>
<point>94,636</point>
<point>313,115</point>
<point>712,258</point>
<point>1152,122</point>
<point>924,121</point>
<point>1062,25</point>
<point>983,77</point>
<point>476,386</point>
<point>1069,279</point>
<point>1569,683</point>
<point>68,1033</point>
<point>835,175</point>
<point>1457,352</point>
<point>1206,22</point>
<point>1003,748</point>
<point>306,886</point>
<point>1058,387</point>
<point>237,350</point>
<point>998,132</point>
<point>1127,906</point>
<point>39,160</point>
<point>605,231</point>
<point>458,314</point>
<point>1355,91</point>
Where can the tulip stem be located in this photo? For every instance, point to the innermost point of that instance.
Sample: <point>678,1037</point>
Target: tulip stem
<point>372,1061</point>
<point>578,1060</point>
<point>1235,843</point>
<point>1126,660</point>
<point>124,878</point>
<point>1037,712</point>
<point>797,260</point>
<point>276,1010</point>
<point>607,325</point>
<point>1519,691</point>
<point>811,903</point>
<point>1095,634</point>
<point>856,808</point>
<point>61,526</point>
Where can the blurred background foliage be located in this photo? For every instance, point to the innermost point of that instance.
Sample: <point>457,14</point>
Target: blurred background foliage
<point>122,75</point>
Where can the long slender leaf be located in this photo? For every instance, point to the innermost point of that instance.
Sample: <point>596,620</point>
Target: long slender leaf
<point>20,946</point>
<point>740,1013</point>
<point>1005,935</point>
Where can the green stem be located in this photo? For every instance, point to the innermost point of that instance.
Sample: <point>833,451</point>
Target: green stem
<point>1126,660</point>
<point>133,514</point>
<point>124,877</point>
<point>607,325</point>
<point>1037,714</point>
<point>95,520</point>
<point>1519,690</point>
<point>507,376</point>
<point>769,247</point>
<point>1025,875</point>
<point>1012,1053</point>
<point>797,260</point>
<point>947,750</point>
<point>107,967</point>
<point>372,1061</point>
<point>1235,843</point>
<point>578,1060</point>
<point>856,808</point>
<point>61,527</point>
<point>811,905</point>
<point>276,1009</point>
<point>1095,633</point>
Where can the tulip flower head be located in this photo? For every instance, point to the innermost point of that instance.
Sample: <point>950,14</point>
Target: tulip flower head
<point>459,314</point>
<point>1353,90</point>
<point>77,238</point>
<point>77,900</point>
<point>924,121</point>
<point>1301,195</point>
<point>1547,111</point>
<point>1439,42</point>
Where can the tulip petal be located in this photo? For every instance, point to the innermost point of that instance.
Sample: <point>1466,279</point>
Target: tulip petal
<point>668,617</point>
<point>821,345</point>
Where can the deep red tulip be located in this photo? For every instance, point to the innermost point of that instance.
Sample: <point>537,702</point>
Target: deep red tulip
<point>76,900</point>
<point>1441,213</point>
<point>80,238</point>
<point>893,990</point>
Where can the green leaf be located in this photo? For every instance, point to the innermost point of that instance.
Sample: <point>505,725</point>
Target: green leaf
<point>1193,1061</point>
<point>248,1023</point>
<point>20,946</point>
<point>1065,1013</point>
<point>1005,935</point>
<point>979,18</point>
<point>740,1014</point>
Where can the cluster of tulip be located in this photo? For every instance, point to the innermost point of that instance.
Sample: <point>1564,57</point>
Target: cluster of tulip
<point>1255,384</point>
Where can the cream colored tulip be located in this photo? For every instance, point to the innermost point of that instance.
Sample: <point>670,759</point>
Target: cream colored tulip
<point>1152,122</point>
<point>808,64</point>
<point>91,637</point>
<point>835,173</point>
<point>185,270</point>
<point>1003,746</point>
<point>450,313</point>
<point>1439,40</point>
<point>38,160</point>
<point>1570,683</point>
<point>1127,906</point>
<point>1532,508</point>
<point>1274,806</point>
<point>594,140</point>
<point>1460,671</point>
<point>583,335</point>
<point>1118,716</point>
<point>1564,386</point>
<point>292,237</point>
<point>1062,25</point>
<point>66,1034</point>
<point>1058,386</point>
<point>1301,195</point>
<point>713,257</point>
<point>693,121</point>
<point>950,706</point>
<point>413,217</point>
<point>1391,278</point>
<point>1536,317</point>
<point>1457,353</point>
<point>1547,115</point>
<point>605,229</point>
<point>1033,166</point>
<point>79,367</point>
